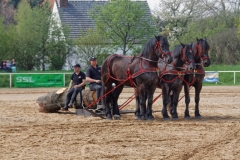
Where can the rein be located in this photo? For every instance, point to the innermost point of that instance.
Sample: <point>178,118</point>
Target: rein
<point>202,57</point>
<point>146,59</point>
<point>136,74</point>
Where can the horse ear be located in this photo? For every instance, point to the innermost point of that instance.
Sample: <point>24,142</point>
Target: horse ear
<point>183,45</point>
<point>191,44</point>
<point>197,40</point>
<point>157,38</point>
<point>205,38</point>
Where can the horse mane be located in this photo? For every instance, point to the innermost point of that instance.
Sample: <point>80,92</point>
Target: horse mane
<point>148,47</point>
<point>151,43</point>
<point>177,50</point>
<point>204,43</point>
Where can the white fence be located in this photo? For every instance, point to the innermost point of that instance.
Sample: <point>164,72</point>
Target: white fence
<point>64,75</point>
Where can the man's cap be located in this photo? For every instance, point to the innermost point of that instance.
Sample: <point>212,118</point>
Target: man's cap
<point>77,65</point>
<point>92,58</point>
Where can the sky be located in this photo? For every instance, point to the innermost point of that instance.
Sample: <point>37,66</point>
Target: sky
<point>152,3</point>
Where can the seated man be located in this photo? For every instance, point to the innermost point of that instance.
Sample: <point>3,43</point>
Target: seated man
<point>93,76</point>
<point>78,79</point>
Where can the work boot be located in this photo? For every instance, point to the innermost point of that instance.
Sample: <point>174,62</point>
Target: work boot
<point>64,109</point>
<point>70,105</point>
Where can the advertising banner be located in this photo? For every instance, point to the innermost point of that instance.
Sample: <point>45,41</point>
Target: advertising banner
<point>38,80</point>
<point>211,77</point>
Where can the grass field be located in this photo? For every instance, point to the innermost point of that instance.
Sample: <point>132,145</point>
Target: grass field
<point>224,78</point>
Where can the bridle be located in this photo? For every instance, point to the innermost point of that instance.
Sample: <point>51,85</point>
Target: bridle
<point>202,57</point>
<point>184,57</point>
<point>157,46</point>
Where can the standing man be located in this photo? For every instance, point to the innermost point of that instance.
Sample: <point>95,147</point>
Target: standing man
<point>93,76</point>
<point>78,79</point>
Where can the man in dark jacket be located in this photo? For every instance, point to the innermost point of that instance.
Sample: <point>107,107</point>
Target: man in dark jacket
<point>78,79</point>
<point>93,76</point>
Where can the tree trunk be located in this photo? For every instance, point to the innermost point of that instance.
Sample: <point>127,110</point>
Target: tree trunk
<point>43,61</point>
<point>52,102</point>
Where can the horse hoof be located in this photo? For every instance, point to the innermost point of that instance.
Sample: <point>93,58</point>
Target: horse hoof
<point>187,117</point>
<point>143,118</point>
<point>109,117</point>
<point>116,117</point>
<point>151,118</point>
<point>167,119</point>
<point>137,117</point>
<point>175,118</point>
<point>198,117</point>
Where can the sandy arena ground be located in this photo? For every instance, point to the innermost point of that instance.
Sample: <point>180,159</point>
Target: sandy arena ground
<point>27,134</point>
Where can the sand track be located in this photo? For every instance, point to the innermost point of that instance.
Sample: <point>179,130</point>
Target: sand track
<point>27,134</point>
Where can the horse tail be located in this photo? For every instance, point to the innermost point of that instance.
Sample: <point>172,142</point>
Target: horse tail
<point>104,74</point>
<point>103,93</point>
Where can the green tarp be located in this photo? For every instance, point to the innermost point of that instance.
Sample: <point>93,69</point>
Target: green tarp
<point>38,80</point>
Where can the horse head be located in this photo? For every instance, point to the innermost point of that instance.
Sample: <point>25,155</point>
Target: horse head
<point>202,49</point>
<point>187,56</point>
<point>162,48</point>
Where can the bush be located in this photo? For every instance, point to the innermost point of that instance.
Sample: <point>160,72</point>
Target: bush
<point>4,81</point>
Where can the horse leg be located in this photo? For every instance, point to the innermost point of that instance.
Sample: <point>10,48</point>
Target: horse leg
<point>165,97</point>
<point>142,100</point>
<point>187,101</point>
<point>137,111</point>
<point>149,108</point>
<point>115,96</point>
<point>170,104</point>
<point>107,101</point>
<point>198,89</point>
<point>175,102</point>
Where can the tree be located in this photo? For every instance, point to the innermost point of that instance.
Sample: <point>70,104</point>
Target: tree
<point>41,25</point>
<point>123,23</point>
<point>26,37</point>
<point>90,44</point>
<point>215,20</point>
<point>40,38</point>
<point>225,47</point>
<point>176,14</point>
<point>6,45</point>
<point>59,46</point>
<point>33,3</point>
<point>7,12</point>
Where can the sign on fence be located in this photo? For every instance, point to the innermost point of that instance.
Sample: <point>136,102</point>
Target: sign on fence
<point>211,77</point>
<point>38,80</point>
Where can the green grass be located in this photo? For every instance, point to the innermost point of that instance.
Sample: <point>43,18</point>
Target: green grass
<point>4,81</point>
<point>223,67</point>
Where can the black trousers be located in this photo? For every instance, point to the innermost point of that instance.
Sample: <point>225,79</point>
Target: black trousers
<point>98,88</point>
<point>71,96</point>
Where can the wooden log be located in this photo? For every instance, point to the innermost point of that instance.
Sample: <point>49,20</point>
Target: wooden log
<point>52,102</point>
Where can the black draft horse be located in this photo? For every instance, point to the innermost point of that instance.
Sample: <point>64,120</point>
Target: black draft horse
<point>171,78</point>
<point>195,79</point>
<point>143,70</point>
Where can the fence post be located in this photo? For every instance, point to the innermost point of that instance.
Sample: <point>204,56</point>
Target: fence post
<point>10,74</point>
<point>234,73</point>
